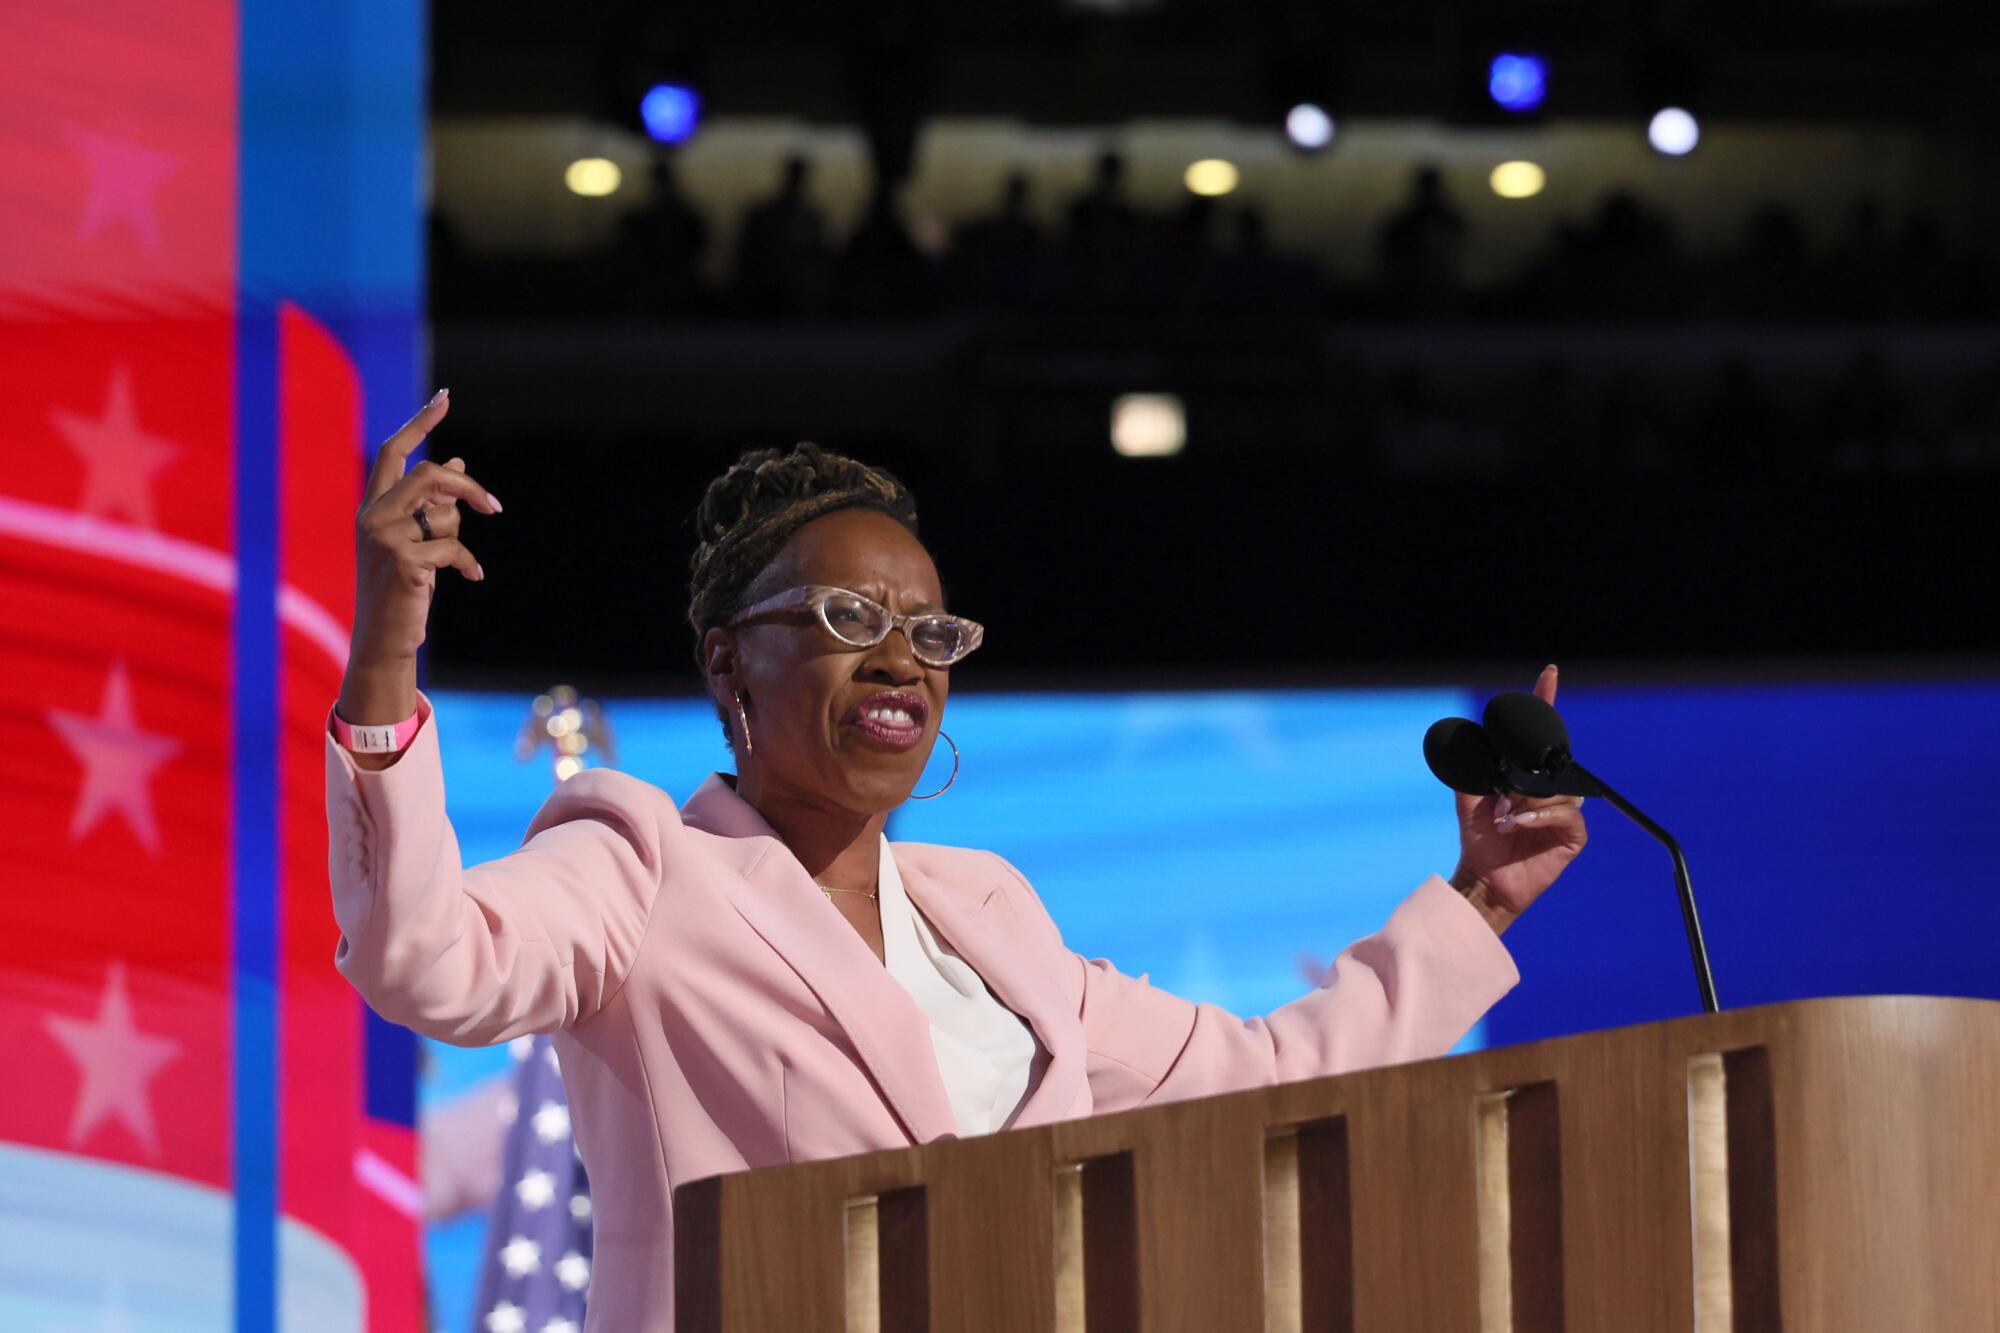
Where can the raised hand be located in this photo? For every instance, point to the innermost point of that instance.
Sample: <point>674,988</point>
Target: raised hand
<point>1511,848</point>
<point>406,531</point>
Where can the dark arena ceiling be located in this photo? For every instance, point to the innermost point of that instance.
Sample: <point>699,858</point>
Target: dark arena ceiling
<point>1104,61</point>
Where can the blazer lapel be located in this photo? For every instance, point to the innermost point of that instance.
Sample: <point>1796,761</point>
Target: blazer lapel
<point>978,920</point>
<point>779,900</point>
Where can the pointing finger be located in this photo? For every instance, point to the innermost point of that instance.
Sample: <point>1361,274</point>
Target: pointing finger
<point>396,450</point>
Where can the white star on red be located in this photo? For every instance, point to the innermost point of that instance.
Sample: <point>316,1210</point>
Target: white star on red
<point>118,758</point>
<point>119,458</point>
<point>116,1060</point>
<point>123,178</point>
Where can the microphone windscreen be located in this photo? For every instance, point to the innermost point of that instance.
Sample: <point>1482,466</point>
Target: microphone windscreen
<point>1527,731</point>
<point>1461,757</point>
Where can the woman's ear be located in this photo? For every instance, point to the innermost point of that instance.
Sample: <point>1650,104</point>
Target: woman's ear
<point>718,656</point>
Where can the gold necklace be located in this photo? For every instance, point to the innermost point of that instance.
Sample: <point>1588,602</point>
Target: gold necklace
<point>870,894</point>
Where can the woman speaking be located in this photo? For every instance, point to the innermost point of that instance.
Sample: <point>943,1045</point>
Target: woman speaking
<point>756,975</point>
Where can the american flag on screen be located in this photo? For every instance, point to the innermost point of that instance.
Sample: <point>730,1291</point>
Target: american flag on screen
<point>537,1269</point>
<point>124,896</point>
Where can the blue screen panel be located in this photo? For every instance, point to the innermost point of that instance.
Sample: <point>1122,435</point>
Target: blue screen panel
<point>1226,841</point>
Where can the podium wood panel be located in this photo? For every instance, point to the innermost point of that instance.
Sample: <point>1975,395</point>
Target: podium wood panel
<point>1850,1181</point>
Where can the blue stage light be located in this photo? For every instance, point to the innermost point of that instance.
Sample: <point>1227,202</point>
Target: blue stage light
<point>670,111</point>
<point>1518,82</point>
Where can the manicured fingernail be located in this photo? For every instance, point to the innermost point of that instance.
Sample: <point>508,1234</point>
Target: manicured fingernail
<point>438,397</point>
<point>1551,667</point>
<point>1505,804</point>
<point>1504,823</point>
<point>1527,816</point>
<point>493,500</point>
<point>479,571</point>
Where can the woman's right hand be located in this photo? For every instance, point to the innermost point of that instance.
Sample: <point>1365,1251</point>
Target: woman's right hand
<point>396,567</point>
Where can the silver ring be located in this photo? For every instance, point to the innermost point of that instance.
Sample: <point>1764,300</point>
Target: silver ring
<point>423,524</point>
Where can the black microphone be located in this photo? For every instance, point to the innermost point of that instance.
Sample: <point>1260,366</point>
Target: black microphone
<point>1463,759</point>
<point>1524,747</point>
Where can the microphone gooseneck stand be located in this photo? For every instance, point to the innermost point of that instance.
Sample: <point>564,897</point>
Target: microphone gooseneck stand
<point>1523,746</point>
<point>1690,918</point>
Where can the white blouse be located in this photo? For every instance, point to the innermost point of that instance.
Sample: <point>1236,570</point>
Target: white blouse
<point>987,1055</point>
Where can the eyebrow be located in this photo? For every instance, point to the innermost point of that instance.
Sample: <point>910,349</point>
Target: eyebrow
<point>880,593</point>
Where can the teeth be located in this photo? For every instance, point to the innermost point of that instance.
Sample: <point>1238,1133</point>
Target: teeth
<point>896,716</point>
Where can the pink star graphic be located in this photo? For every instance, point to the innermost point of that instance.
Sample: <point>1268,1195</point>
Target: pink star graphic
<point>123,177</point>
<point>120,458</point>
<point>118,761</point>
<point>116,1060</point>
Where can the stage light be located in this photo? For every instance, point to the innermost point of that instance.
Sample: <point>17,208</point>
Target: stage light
<point>1518,82</point>
<point>671,112</point>
<point>1518,180</point>
<point>1148,425</point>
<point>593,177</point>
<point>1673,132</point>
<point>1309,127</point>
<point>1212,176</point>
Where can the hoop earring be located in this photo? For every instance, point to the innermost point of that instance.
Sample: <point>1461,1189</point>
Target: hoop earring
<point>743,719</point>
<point>954,771</point>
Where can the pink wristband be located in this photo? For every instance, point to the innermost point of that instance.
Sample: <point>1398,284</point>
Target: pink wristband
<point>376,740</point>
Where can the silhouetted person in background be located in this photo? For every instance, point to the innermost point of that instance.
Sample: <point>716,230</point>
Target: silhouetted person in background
<point>1190,233</point>
<point>1006,235</point>
<point>1253,237</point>
<point>660,247</point>
<point>1102,224</point>
<point>881,271</point>
<point>1630,260</point>
<point>994,256</point>
<point>1927,285</point>
<point>1770,277</point>
<point>781,252</point>
<point>1420,248</point>
<point>1861,273</point>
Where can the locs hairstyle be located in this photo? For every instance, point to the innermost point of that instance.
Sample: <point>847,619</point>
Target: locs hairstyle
<point>752,510</point>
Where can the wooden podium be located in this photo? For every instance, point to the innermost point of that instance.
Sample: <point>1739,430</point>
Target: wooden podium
<point>1832,1164</point>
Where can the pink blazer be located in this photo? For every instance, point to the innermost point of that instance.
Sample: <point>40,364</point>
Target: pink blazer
<point>714,1011</point>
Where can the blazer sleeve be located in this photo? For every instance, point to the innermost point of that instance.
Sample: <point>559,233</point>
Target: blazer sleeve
<point>1407,992</point>
<point>534,941</point>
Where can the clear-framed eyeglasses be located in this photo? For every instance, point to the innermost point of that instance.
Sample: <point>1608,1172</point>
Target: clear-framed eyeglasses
<point>936,639</point>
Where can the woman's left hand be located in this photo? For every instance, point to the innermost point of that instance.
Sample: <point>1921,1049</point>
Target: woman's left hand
<point>1513,847</point>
